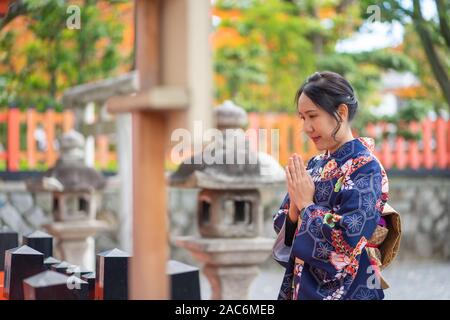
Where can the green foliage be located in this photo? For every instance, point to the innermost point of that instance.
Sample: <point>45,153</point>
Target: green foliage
<point>263,67</point>
<point>413,110</point>
<point>274,50</point>
<point>403,12</point>
<point>58,57</point>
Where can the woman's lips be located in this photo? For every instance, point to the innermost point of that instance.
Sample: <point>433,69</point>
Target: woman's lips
<point>316,139</point>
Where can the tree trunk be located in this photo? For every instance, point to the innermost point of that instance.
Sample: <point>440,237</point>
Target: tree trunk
<point>437,66</point>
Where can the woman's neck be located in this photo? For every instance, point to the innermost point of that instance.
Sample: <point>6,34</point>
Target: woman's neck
<point>348,137</point>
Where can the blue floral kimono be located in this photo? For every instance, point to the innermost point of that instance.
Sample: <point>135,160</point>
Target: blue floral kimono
<point>327,258</point>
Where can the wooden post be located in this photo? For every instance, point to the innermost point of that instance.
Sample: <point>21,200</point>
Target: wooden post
<point>31,143</point>
<point>68,120</point>
<point>102,150</point>
<point>283,126</point>
<point>150,251</point>
<point>386,152</point>
<point>400,155</point>
<point>414,154</point>
<point>448,143</point>
<point>441,145</point>
<point>253,124</point>
<point>172,56</point>
<point>49,124</point>
<point>13,138</point>
<point>428,159</point>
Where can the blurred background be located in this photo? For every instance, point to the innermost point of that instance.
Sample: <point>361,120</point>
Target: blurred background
<point>57,69</point>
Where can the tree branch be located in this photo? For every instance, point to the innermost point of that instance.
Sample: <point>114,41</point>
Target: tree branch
<point>343,4</point>
<point>437,66</point>
<point>443,23</point>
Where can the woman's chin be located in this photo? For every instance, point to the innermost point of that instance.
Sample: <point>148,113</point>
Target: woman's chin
<point>320,146</point>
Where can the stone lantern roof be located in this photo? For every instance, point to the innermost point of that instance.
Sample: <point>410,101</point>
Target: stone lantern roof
<point>257,170</point>
<point>69,174</point>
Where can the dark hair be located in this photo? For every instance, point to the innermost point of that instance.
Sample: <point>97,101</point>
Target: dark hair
<point>328,90</point>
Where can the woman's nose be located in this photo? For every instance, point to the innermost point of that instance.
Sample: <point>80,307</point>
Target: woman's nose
<point>307,128</point>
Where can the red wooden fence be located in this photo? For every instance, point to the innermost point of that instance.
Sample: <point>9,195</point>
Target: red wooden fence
<point>432,151</point>
<point>52,123</point>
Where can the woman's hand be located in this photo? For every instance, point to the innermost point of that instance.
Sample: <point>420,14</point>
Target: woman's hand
<point>299,183</point>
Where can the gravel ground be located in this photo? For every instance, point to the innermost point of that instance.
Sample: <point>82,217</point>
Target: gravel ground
<point>408,280</point>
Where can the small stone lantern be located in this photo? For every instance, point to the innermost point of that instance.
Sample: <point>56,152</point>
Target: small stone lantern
<point>76,192</point>
<point>230,212</point>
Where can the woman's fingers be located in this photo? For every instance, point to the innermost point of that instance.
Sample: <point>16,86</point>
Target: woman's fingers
<point>288,175</point>
<point>297,165</point>
<point>292,171</point>
<point>302,165</point>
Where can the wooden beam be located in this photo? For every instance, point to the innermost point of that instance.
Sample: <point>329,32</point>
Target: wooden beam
<point>94,129</point>
<point>100,91</point>
<point>157,98</point>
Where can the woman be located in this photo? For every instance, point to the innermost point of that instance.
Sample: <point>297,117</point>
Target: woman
<point>334,204</point>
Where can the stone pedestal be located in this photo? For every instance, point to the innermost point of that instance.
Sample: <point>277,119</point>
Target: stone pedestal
<point>75,240</point>
<point>229,264</point>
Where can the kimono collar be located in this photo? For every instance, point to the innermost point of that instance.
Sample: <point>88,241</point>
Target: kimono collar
<point>367,142</point>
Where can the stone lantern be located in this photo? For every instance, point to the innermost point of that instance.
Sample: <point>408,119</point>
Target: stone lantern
<point>230,212</point>
<point>76,193</point>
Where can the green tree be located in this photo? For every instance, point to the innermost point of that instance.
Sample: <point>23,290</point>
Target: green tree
<point>57,57</point>
<point>262,71</point>
<point>432,37</point>
<point>280,43</point>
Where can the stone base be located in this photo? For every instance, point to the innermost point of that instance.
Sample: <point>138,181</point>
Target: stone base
<point>230,264</point>
<point>230,283</point>
<point>75,241</point>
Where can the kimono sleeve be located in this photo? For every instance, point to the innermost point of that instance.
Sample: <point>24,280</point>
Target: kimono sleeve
<point>281,252</point>
<point>342,232</point>
<point>280,216</point>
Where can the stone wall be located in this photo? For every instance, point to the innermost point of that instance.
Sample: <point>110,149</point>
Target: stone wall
<point>424,205</point>
<point>423,202</point>
<point>26,212</point>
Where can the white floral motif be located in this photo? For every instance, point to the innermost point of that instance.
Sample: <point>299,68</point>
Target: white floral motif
<point>316,174</point>
<point>363,182</point>
<point>323,250</point>
<point>345,168</point>
<point>354,222</point>
<point>365,294</point>
<point>348,183</point>
<point>368,202</point>
<point>323,191</point>
<point>337,295</point>
<point>315,227</point>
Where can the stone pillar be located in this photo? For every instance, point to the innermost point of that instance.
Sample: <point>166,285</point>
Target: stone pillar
<point>75,241</point>
<point>82,251</point>
<point>230,283</point>
<point>126,179</point>
<point>230,264</point>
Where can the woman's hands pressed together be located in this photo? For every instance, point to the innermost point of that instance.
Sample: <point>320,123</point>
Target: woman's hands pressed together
<point>300,186</point>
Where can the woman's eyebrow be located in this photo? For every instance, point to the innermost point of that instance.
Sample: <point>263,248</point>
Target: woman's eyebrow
<point>308,111</point>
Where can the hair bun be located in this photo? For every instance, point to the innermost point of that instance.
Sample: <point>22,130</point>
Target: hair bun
<point>314,77</point>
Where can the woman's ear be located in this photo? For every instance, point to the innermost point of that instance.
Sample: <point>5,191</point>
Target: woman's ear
<point>343,111</point>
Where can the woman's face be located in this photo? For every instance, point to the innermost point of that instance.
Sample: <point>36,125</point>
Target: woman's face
<point>318,124</point>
